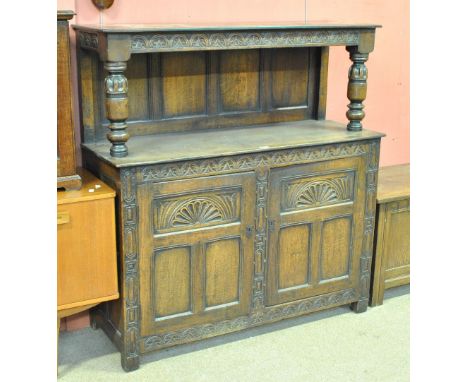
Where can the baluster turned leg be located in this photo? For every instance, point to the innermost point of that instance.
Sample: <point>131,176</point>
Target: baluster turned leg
<point>117,107</point>
<point>357,88</point>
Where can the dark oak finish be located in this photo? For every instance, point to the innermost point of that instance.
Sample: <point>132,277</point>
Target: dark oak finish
<point>67,176</point>
<point>392,235</point>
<point>238,204</point>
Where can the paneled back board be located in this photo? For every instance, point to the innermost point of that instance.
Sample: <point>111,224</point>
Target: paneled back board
<point>180,91</point>
<point>238,204</point>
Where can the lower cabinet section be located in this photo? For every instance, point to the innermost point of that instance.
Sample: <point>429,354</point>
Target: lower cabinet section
<point>315,229</point>
<point>197,253</point>
<point>218,245</point>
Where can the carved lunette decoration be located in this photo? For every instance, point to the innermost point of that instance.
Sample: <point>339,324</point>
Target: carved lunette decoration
<point>247,162</point>
<point>297,195</point>
<point>270,315</point>
<point>166,42</point>
<point>189,211</point>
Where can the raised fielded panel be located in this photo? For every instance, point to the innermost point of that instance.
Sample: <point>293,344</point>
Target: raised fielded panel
<point>197,250</point>
<point>315,228</point>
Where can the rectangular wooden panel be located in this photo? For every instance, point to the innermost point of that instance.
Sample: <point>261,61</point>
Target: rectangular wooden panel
<point>336,248</point>
<point>398,238</point>
<point>184,90</point>
<point>315,228</point>
<point>294,255</point>
<point>137,75</point>
<point>222,271</point>
<point>171,281</point>
<point>239,80</point>
<point>289,77</point>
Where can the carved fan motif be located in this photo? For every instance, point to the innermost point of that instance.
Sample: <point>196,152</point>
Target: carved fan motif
<point>317,193</point>
<point>200,210</point>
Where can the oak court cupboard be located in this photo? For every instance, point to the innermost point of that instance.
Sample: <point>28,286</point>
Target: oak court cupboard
<point>238,204</point>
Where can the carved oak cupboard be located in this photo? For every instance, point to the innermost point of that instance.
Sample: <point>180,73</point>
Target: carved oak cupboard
<point>238,203</point>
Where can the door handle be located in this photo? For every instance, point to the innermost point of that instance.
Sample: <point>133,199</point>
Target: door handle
<point>249,230</point>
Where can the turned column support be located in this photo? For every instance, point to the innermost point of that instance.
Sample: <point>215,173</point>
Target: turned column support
<point>357,79</point>
<point>116,86</point>
<point>357,88</point>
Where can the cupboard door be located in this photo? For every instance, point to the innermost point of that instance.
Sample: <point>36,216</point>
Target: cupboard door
<point>316,215</point>
<point>196,251</point>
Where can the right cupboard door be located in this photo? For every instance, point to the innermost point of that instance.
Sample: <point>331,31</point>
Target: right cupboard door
<point>316,223</point>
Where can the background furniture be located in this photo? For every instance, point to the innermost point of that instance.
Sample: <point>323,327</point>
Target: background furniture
<point>86,246</point>
<point>392,236</point>
<point>67,176</point>
<point>238,204</point>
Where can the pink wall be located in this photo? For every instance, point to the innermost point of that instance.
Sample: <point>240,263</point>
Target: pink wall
<point>387,104</point>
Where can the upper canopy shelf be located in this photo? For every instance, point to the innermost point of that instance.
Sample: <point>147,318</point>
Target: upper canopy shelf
<point>146,38</point>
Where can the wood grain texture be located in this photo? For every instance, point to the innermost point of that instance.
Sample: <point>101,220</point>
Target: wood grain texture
<point>391,265</point>
<point>294,255</point>
<point>171,282</point>
<point>183,84</point>
<point>394,183</point>
<point>232,166</point>
<point>239,80</point>
<point>222,272</point>
<point>86,262</point>
<point>66,161</point>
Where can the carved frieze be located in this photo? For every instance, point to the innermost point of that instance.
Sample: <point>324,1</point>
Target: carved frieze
<point>248,162</point>
<point>164,42</point>
<point>271,314</point>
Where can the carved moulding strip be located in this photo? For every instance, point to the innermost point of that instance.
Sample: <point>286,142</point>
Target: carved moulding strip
<point>88,40</point>
<point>131,297</point>
<point>369,222</point>
<point>166,42</point>
<point>248,162</point>
<point>258,298</point>
<point>269,315</point>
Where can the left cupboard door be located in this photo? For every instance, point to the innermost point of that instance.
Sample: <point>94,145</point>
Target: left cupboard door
<point>196,251</point>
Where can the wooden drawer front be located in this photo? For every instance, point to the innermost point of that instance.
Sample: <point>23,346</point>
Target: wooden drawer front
<point>315,229</point>
<point>198,250</point>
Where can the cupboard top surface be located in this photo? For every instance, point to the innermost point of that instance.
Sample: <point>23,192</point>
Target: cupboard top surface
<point>90,182</point>
<point>135,28</point>
<point>394,183</point>
<point>171,147</point>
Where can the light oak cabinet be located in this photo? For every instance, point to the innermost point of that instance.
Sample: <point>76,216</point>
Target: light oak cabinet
<point>392,234</point>
<point>86,246</point>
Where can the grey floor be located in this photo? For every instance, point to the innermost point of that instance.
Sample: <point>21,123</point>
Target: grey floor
<point>334,345</point>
